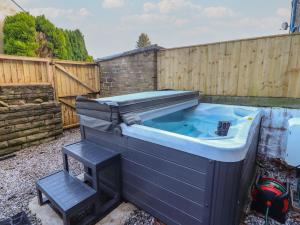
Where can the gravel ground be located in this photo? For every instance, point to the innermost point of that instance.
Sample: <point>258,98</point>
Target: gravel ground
<point>139,217</point>
<point>18,176</point>
<point>275,169</point>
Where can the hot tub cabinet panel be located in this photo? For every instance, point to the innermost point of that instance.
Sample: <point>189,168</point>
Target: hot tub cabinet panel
<point>178,187</point>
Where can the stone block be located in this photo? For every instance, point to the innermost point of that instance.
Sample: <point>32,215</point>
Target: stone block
<point>7,129</point>
<point>46,116</point>
<point>3,104</point>
<point>29,144</point>
<point>9,150</point>
<point>17,141</point>
<point>46,140</point>
<point>38,101</point>
<point>23,126</point>
<point>5,137</point>
<point>22,108</point>
<point>4,110</point>
<point>16,121</point>
<point>52,121</point>
<point>30,131</point>
<point>3,144</point>
<point>38,136</point>
<point>55,132</point>
<point>38,124</point>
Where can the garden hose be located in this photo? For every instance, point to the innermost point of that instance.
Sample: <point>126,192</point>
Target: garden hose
<point>269,203</point>
<point>266,216</point>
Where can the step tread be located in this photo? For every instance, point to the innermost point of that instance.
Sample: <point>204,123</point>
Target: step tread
<point>65,190</point>
<point>88,152</point>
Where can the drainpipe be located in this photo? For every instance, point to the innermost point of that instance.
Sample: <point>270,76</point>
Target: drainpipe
<point>293,26</point>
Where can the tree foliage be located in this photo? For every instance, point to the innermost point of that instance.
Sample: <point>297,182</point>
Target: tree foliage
<point>19,35</point>
<point>46,39</point>
<point>76,45</point>
<point>143,41</point>
<point>55,38</point>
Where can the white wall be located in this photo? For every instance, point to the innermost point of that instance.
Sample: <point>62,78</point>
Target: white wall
<point>274,132</point>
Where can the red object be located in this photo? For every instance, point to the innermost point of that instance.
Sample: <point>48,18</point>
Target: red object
<point>285,205</point>
<point>272,179</point>
<point>269,203</point>
<point>272,195</point>
<point>271,188</point>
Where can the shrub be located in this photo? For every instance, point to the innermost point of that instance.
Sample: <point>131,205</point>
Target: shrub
<point>19,35</point>
<point>37,36</point>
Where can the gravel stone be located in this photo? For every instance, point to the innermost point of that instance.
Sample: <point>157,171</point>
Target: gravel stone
<point>18,174</point>
<point>139,217</point>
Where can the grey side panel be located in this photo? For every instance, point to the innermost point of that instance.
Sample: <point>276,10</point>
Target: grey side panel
<point>232,182</point>
<point>170,188</point>
<point>225,193</point>
<point>145,205</point>
<point>155,203</point>
<point>177,187</point>
<point>185,159</point>
<point>175,201</point>
<point>248,173</point>
<point>185,190</point>
<point>168,168</point>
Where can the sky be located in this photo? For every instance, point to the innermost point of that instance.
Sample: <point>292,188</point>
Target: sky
<point>113,26</point>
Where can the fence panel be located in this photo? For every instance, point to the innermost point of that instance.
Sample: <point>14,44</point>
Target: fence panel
<point>259,67</point>
<point>68,78</point>
<point>72,79</point>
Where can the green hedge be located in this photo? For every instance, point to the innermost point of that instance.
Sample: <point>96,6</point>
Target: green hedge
<point>27,35</point>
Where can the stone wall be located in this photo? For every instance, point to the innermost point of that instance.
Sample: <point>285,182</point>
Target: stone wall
<point>130,72</point>
<point>28,116</point>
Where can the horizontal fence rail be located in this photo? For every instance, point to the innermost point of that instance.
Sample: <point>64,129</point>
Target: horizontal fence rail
<point>260,67</point>
<point>68,78</point>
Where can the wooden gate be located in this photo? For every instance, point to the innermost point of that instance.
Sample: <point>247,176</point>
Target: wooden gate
<point>70,80</point>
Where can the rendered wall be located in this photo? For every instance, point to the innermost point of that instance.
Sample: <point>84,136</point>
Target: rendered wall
<point>274,131</point>
<point>28,116</point>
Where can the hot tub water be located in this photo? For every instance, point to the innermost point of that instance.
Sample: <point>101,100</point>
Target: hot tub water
<point>191,123</point>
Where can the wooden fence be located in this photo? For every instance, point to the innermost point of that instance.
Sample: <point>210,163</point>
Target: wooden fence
<point>265,66</point>
<point>68,78</point>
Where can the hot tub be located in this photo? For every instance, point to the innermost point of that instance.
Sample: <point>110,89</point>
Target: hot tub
<point>174,165</point>
<point>193,130</point>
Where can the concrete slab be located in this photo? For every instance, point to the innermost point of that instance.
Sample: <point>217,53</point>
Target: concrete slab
<point>49,217</point>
